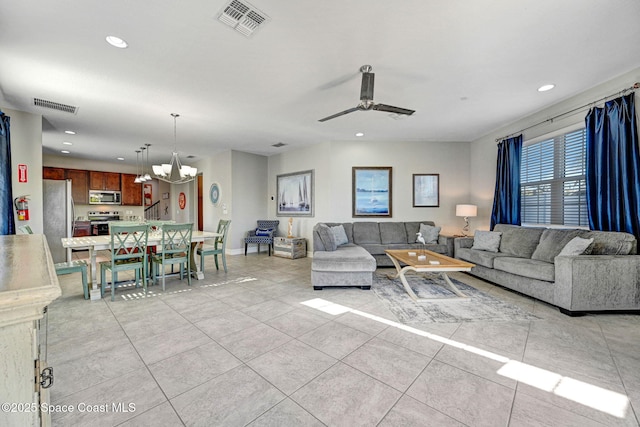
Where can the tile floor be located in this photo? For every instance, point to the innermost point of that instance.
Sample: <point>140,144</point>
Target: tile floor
<point>240,349</point>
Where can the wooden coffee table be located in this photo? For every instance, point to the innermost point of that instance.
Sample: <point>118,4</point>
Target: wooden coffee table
<point>433,263</point>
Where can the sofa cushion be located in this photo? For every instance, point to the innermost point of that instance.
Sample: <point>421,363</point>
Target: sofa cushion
<point>518,241</point>
<point>413,227</point>
<point>611,242</point>
<point>483,258</point>
<point>551,243</point>
<point>348,228</point>
<point>327,238</point>
<point>486,241</point>
<point>531,268</point>
<point>392,232</point>
<point>429,233</point>
<point>339,234</point>
<point>347,257</point>
<point>366,232</point>
<point>377,249</point>
<point>433,247</point>
<point>576,246</point>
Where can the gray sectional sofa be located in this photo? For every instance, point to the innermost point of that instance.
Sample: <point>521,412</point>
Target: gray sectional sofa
<point>353,263</point>
<point>605,278</point>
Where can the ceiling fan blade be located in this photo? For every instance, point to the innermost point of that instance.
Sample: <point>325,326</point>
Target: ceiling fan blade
<point>342,113</point>
<point>366,91</point>
<point>392,109</point>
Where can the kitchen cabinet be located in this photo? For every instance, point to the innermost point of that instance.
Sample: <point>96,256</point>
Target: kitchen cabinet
<point>52,173</point>
<point>79,185</point>
<point>131,191</point>
<point>104,181</point>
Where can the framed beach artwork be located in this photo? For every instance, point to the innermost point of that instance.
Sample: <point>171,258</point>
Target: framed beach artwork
<point>371,191</point>
<point>148,194</point>
<point>426,190</point>
<point>295,194</point>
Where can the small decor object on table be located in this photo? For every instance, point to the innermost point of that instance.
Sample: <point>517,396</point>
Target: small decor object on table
<point>290,247</point>
<point>290,229</point>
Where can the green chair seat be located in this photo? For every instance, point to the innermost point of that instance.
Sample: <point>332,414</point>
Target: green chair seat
<point>77,266</point>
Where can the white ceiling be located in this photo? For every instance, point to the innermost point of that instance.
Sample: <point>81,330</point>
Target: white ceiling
<point>466,67</point>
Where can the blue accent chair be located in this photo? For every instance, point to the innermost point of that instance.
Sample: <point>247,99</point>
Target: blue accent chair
<point>264,234</point>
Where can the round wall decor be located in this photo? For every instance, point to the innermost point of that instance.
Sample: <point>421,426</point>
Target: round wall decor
<point>182,200</point>
<point>214,193</point>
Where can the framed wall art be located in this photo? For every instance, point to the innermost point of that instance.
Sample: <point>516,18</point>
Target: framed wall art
<point>295,194</point>
<point>148,194</point>
<point>426,190</point>
<point>371,191</point>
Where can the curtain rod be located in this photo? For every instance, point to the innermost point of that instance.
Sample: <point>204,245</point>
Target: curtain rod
<point>635,86</point>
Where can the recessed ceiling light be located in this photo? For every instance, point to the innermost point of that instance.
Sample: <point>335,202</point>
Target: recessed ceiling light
<point>65,151</point>
<point>359,134</point>
<point>116,42</point>
<point>120,158</point>
<point>69,132</point>
<point>67,143</point>
<point>545,88</point>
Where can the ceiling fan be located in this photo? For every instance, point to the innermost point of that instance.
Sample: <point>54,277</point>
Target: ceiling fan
<point>366,98</point>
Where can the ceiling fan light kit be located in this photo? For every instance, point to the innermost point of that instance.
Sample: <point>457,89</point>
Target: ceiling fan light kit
<point>366,98</point>
<point>174,172</point>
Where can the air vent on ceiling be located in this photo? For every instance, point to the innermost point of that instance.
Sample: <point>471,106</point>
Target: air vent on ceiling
<point>243,17</point>
<point>279,144</point>
<point>55,106</point>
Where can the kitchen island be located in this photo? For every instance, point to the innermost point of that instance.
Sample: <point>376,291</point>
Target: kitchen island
<point>28,284</point>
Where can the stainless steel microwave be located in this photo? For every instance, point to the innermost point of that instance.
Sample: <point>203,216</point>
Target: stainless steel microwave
<point>98,197</point>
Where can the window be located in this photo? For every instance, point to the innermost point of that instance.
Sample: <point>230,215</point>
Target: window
<point>552,180</point>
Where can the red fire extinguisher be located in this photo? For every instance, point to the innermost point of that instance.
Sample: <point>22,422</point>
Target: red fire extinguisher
<point>22,207</point>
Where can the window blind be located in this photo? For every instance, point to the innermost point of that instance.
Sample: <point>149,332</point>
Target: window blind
<point>552,179</point>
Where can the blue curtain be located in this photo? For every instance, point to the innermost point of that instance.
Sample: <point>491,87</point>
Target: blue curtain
<point>506,199</point>
<point>613,167</point>
<point>7,223</point>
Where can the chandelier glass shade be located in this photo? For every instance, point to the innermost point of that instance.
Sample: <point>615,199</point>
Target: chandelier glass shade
<point>174,172</point>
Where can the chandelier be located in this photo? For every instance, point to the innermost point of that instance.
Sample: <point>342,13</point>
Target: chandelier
<point>174,172</point>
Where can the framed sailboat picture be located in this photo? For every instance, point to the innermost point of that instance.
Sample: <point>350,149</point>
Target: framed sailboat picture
<point>371,191</point>
<point>295,194</point>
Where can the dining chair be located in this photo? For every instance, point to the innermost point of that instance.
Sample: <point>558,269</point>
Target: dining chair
<point>174,248</point>
<point>25,229</point>
<point>218,247</point>
<point>128,248</point>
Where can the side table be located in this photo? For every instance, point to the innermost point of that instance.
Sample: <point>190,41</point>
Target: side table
<point>290,247</point>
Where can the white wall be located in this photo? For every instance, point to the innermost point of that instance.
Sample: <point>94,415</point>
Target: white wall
<point>484,150</point>
<point>333,162</point>
<point>250,199</point>
<point>26,149</point>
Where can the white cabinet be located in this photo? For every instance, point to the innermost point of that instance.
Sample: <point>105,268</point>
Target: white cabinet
<point>28,284</point>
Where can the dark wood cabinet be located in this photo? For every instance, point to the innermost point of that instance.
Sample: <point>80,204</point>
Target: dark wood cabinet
<point>52,173</point>
<point>131,191</point>
<point>79,185</point>
<point>104,181</point>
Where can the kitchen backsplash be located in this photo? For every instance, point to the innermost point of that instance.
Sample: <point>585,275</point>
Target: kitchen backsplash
<point>125,211</point>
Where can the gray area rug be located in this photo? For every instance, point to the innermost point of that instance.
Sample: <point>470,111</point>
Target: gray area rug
<point>445,307</point>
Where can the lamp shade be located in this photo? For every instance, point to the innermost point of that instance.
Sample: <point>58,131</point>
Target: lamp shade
<point>466,210</point>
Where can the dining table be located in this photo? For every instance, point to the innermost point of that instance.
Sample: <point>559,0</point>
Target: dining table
<point>98,243</point>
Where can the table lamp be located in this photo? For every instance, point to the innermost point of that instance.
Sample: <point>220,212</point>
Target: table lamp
<point>466,211</point>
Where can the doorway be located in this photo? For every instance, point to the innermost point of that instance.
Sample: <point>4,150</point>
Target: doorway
<point>200,204</point>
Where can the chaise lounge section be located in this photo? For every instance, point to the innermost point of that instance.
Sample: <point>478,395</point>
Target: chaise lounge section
<point>352,261</point>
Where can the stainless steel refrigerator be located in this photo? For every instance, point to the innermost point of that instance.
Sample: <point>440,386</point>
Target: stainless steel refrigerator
<point>58,216</point>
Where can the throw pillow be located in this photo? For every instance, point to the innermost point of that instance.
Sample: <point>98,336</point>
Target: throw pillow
<point>487,241</point>
<point>340,235</point>
<point>429,233</point>
<point>576,246</point>
<point>326,235</point>
<point>264,231</point>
